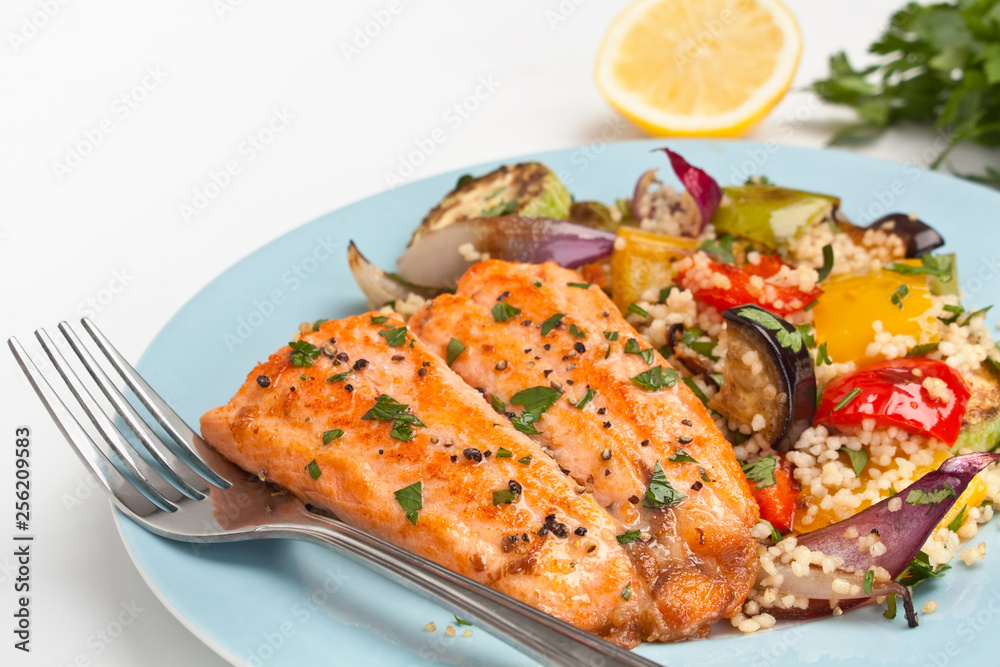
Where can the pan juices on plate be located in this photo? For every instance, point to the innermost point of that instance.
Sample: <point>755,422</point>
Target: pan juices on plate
<point>363,420</point>
<point>557,358</point>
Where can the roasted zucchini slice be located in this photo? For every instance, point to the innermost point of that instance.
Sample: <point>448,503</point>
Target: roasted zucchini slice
<point>981,424</point>
<point>770,215</point>
<point>528,190</point>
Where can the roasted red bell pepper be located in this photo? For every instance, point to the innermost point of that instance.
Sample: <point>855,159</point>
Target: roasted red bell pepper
<point>777,502</point>
<point>893,394</point>
<point>788,299</point>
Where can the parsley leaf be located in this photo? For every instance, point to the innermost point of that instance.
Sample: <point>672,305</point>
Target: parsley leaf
<point>775,535</point>
<point>552,322</point>
<point>525,421</point>
<point>922,350</point>
<point>587,397</point>
<point>579,285</point>
<point>394,337</point>
<point>721,247</point>
<point>577,332</point>
<point>313,469</point>
<point>761,471</point>
<point>411,499</point>
<point>637,310</point>
<point>656,378</point>
<point>790,339</point>
<point>611,335</point>
<point>338,377</point>
<point>505,496</point>
<point>536,399</point>
<point>930,498</point>
<point>680,456</point>
<point>920,570</point>
<point>379,319</point>
<point>504,453</point>
<point>859,459</point>
<point>455,348</point>
<point>869,579</point>
<point>627,536</point>
<point>461,621</point>
<point>659,492</point>
<point>497,404</point>
<point>897,297</point>
<point>503,311</point>
<point>822,356</point>
<point>959,519</point>
<point>302,354</point>
<point>938,266</point>
<point>851,395</point>
<point>827,267</point>
<point>627,592</point>
<point>387,408</point>
<point>331,435</point>
<point>524,461</point>
<point>696,390</point>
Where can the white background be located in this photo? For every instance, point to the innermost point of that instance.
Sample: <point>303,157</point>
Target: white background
<point>111,229</point>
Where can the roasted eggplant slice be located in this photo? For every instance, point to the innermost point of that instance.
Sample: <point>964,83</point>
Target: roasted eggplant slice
<point>770,215</point>
<point>528,190</point>
<point>919,237</point>
<point>779,383</point>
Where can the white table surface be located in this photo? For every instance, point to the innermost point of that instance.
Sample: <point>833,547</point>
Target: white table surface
<point>168,93</point>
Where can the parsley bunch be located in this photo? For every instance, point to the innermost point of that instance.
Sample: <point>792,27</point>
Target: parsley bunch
<point>939,65</point>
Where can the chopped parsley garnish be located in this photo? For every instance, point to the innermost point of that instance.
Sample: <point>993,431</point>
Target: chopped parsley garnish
<point>317,324</point>
<point>859,459</point>
<point>379,319</point>
<point>824,270</point>
<point>897,297</point>
<point>313,469</point>
<point>505,496</point>
<point>536,283</point>
<point>580,285</point>
<point>812,304</point>
<point>822,356</point>
<point>552,322</point>
<point>704,475</point>
<point>394,337</point>
<point>455,348</point>
<point>938,266</point>
<point>577,332</point>
<point>387,408</point>
<point>607,352</point>
<point>632,346</point>
<point>775,535</point>
<point>790,339</point>
<point>525,422</point>
<point>665,292</point>
<point>930,498</point>
<point>761,471</point>
<point>461,621</point>
<point>627,592</point>
<point>851,395</point>
<point>504,453</point>
<point>627,536</point>
<point>696,390</point>
<point>717,378</point>
<point>959,519</point>
<point>721,247</point>
<point>920,570</point>
<point>637,310</point>
<point>503,311</point>
<point>806,332</point>
<point>976,313</point>
<point>411,499</point>
<point>706,348</point>
<point>338,377</point>
<point>525,460</point>
<point>536,399</point>
<point>956,312</point>
<point>656,378</point>
<point>331,435</point>
<point>588,396</point>
<point>659,492</point>
<point>690,336</point>
<point>497,404</point>
<point>611,335</point>
<point>303,352</point>
<point>680,456</point>
<point>869,579</point>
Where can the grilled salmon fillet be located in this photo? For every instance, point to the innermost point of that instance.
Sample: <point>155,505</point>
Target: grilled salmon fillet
<point>359,412</point>
<point>621,423</point>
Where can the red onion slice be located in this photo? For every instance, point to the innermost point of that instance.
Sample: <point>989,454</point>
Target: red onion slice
<point>703,188</point>
<point>378,286</point>
<point>434,258</point>
<point>902,523</point>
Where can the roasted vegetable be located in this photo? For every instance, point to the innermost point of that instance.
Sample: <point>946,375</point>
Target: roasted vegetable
<point>643,260</point>
<point>769,215</point>
<point>902,523</point>
<point>689,210</point>
<point>782,389</point>
<point>528,190</point>
<point>919,237</point>
<point>380,287</point>
<point>781,299</point>
<point>916,394</point>
<point>981,423</point>
<point>435,259</point>
<point>592,214</point>
<point>776,500</point>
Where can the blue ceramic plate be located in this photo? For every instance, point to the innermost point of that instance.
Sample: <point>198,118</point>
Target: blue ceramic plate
<point>286,603</point>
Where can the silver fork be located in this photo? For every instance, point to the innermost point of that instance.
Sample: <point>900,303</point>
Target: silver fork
<point>181,489</point>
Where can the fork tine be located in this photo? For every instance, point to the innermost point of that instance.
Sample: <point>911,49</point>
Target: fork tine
<point>185,437</point>
<point>170,466</point>
<point>94,459</point>
<point>135,465</point>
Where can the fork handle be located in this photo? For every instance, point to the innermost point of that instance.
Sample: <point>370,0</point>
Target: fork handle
<point>546,638</point>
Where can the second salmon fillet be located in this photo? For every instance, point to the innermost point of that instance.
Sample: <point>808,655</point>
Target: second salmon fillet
<point>556,356</point>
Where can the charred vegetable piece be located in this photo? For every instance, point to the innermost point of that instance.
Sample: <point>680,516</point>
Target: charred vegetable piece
<point>644,260</point>
<point>919,237</point>
<point>593,214</point>
<point>981,423</point>
<point>770,215</point>
<point>902,523</point>
<point>527,190</point>
<point>434,259</point>
<point>740,291</point>
<point>380,287</point>
<point>677,335</point>
<point>916,394</point>
<point>782,390</point>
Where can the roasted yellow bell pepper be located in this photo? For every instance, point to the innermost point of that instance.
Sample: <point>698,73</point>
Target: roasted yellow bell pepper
<point>642,260</point>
